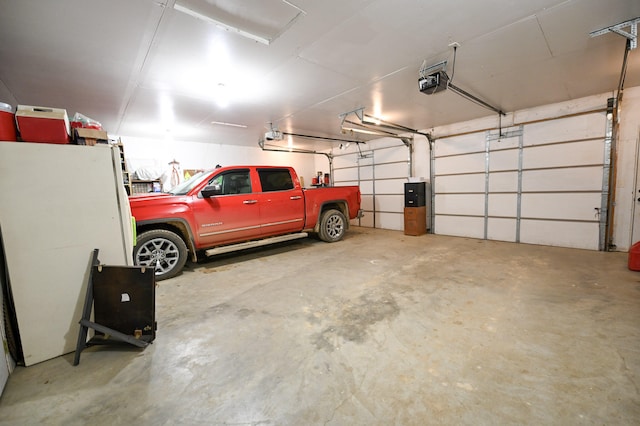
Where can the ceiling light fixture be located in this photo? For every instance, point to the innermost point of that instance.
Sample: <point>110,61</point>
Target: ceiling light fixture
<point>221,24</point>
<point>224,123</point>
<point>355,130</point>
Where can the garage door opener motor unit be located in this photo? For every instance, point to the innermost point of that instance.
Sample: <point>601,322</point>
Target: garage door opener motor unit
<point>433,79</point>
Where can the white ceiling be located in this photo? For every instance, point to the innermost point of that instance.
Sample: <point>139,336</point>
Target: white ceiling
<point>146,69</point>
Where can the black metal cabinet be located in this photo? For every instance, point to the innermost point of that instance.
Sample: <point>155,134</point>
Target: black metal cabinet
<point>415,194</point>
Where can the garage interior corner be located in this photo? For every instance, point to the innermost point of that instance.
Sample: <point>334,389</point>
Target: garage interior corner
<point>380,328</point>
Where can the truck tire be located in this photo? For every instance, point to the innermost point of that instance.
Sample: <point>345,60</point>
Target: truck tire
<point>164,250</point>
<point>333,225</point>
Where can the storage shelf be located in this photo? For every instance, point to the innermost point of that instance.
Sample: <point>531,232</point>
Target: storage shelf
<point>145,186</point>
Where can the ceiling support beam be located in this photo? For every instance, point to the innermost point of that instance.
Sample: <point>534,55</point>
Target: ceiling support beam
<point>321,138</point>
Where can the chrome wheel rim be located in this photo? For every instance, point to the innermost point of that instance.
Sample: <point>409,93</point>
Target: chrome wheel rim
<point>335,226</point>
<point>160,253</point>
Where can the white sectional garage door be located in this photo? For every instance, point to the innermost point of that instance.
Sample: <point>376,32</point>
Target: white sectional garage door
<point>540,183</point>
<point>381,174</point>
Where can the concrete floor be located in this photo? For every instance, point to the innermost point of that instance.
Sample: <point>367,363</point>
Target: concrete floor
<point>380,328</point>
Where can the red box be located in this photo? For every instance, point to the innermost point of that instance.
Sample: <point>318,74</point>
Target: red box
<point>43,124</point>
<point>7,123</point>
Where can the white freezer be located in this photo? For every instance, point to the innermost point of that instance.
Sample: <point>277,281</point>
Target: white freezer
<point>58,203</point>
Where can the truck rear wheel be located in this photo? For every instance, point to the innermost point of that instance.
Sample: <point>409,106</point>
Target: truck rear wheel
<point>164,250</point>
<point>332,226</point>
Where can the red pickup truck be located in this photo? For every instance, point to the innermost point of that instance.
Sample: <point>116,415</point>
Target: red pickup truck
<point>233,208</point>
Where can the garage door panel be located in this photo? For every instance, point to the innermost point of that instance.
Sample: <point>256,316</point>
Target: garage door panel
<point>460,183</point>
<point>503,182</point>
<point>347,183</point>
<point>461,164</point>
<point>501,229</point>
<point>393,221</point>
<point>549,175</point>
<point>392,155</point>
<point>390,203</point>
<point>569,206</point>
<point>573,128</point>
<point>503,205</point>
<point>367,202</point>
<point>366,172</point>
<point>460,145</point>
<point>345,174</point>
<point>367,220</point>
<point>503,160</point>
<point>386,171</point>
<point>366,187</point>
<point>366,160</point>
<point>562,234</point>
<point>464,204</point>
<point>460,226</point>
<point>381,176</point>
<point>341,161</point>
<point>563,155</point>
<point>390,186</point>
<point>504,143</point>
<point>571,179</point>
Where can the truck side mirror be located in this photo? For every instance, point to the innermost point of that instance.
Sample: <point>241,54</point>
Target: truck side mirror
<point>211,190</point>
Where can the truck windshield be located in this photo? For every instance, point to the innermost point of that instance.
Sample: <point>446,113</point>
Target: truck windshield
<point>188,185</point>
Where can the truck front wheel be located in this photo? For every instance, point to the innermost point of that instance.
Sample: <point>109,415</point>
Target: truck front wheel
<point>164,250</point>
<point>332,226</point>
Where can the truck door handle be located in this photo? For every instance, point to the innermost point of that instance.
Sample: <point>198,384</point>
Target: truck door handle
<point>295,197</point>
<point>249,201</point>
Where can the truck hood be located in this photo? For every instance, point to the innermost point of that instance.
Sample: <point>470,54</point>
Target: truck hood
<point>157,205</point>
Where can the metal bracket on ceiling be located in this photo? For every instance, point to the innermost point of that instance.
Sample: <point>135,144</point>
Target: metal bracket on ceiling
<point>378,127</point>
<point>632,36</point>
<point>359,112</point>
<point>408,142</point>
<point>503,135</point>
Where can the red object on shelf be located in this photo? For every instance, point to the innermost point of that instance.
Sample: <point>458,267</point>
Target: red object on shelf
<point>634,257</point>
<point>43,124</point>
<point>7,123</point>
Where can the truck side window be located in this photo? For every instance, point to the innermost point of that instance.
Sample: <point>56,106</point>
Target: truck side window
<point>233,182</point>
<point>275,180</point>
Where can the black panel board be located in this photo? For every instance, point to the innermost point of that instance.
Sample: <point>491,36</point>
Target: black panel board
<point>124,299</point>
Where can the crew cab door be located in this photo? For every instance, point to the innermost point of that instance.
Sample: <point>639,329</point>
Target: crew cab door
<point>281,202</point>
<point>228,214</point>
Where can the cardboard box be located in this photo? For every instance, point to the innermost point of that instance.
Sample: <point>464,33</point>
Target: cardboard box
<point>43,124</point>
<point>89,137</point>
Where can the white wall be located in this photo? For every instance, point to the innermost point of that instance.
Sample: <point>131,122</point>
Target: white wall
<point>626,195</point>
<point>153,153</point>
